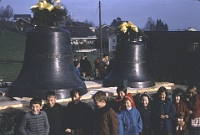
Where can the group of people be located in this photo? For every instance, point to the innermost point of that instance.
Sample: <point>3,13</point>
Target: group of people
<point>83,67</point>
<point>122,115</point>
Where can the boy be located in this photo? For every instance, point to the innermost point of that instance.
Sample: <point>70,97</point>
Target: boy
<point>105,118</point>
<point>35,122</point>
<point>55,114</point>
<point>79,115</point>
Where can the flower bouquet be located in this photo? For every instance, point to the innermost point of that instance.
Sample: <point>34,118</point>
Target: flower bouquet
<point>127,31</point>
<point>48,13</point>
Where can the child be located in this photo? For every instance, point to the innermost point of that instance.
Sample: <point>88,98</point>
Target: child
<point>55,114</point>
<point>163,113</point>
<point>118,103</point>
<point>180,108</point>
<point>130,122</point>
<point>146,114</point>
<point>35,122</point>
<point>79,115</point>
<point>193,104</point>
<point>105,118</point>
<point>83,76</point>
<point>77,68</point>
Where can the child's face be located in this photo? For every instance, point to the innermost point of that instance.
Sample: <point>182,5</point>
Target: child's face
<point>51,100</point>
<point>145,101</point>
<point>35,108</point>
<point>76,98</point>
<point>178,98</point>
<point>100,104</point>
<point>162,96</point>
<point>121,94</point>
<point>128,104</point>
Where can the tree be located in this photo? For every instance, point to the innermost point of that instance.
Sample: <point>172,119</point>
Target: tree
<point>116,22</point>
<point>158,26</point>
<point>5,15</point>
<point>150,25</point>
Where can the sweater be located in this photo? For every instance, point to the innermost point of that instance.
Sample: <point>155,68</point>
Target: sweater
<point>34,124</point>
<point>55,116</point>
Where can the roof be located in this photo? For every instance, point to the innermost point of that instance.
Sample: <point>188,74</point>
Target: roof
<point>81,31</point>
<point>24,16</point>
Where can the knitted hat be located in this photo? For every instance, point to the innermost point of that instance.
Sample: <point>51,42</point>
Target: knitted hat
<point>130,98</point>
<point>145,94</point>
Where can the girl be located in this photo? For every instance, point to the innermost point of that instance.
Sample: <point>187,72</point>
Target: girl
<point>129,119</point>
<point>118,104</point>
<point>193,104</point>
<point>163,113</point>
<point>180,107</point>
<point>145,112</point>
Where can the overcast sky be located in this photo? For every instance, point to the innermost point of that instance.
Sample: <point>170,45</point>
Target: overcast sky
<point>178,14</point>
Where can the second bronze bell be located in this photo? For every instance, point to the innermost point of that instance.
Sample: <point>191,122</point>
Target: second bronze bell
<point>129,67</point>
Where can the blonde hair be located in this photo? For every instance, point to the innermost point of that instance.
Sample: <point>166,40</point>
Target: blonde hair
<point>192,90</point>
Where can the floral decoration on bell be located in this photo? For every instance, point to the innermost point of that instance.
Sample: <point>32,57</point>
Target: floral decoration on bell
<point>45,13</point>
<point>127,31</point>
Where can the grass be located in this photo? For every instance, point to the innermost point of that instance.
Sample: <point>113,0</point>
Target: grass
<point>12,47</point>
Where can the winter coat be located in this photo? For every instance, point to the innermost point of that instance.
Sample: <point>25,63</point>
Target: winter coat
<point>181,107</point>
<point>194,106</point>
<point>130,122</point>
<point>146,115</point>
<point>163,124</point>
<point>106,122</point>
<point>79,116</point>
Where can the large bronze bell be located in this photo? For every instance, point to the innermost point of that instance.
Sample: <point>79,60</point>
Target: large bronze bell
<point>129,67</point>
<point>47,65</point>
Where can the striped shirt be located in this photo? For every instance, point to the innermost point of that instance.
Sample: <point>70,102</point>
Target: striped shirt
<point>34,124</point>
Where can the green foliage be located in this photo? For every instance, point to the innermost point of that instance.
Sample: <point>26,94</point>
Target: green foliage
<point>48,18</point>
<point>8,121</point>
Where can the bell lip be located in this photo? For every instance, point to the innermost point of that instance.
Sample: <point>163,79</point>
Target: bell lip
<point>117,83</point>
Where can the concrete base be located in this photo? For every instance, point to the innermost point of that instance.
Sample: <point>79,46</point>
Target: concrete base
<point>92,86</point>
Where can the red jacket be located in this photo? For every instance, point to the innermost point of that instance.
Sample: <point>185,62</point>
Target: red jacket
<point>194,106</point>
<point>181,107</point>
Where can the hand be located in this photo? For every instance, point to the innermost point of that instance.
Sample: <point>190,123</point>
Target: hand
<point>182,123</point>
<point>187,99</point>
<point>68,130</point>
<point>190,112</point>
<point>162,117</point>
<point>166,116</point>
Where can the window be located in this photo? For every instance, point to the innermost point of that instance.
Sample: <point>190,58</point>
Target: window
<point>193,47</point>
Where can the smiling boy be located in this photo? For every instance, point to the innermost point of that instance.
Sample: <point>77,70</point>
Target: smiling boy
<point>55,114</point>
<point>35,122</point>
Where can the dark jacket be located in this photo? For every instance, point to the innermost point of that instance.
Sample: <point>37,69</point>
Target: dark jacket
<point>146,115</point>
<point>157,111</point>
<point>55,116</point>
<point>105,122</point>
<point>181,107</point>
<point>79,116</point>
